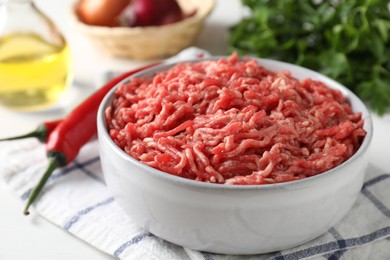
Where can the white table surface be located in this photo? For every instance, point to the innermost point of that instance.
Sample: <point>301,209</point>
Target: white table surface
<point>33,237</point>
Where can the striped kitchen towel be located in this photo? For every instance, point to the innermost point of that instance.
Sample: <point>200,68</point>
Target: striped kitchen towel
<point>76,199</point>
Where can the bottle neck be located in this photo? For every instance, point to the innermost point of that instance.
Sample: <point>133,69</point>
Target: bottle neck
<point>22,16</point>
<point>18,7</point>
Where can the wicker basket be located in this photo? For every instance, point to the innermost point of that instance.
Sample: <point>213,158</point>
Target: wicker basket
<point>150,42</point>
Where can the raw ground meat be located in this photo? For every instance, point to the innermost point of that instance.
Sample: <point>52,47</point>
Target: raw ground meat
<point>232,121</point>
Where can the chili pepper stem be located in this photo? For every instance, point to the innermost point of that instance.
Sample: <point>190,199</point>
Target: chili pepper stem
<point>53,164</point>
<point>31,134</point>
<point>39,133</point>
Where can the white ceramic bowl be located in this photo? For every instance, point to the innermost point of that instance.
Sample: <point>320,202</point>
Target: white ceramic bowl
<point>231,219</point>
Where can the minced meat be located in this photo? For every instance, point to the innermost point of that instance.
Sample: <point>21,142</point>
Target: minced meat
<point>232,121</point>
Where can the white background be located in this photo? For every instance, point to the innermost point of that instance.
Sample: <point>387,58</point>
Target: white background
<point>33,237</point>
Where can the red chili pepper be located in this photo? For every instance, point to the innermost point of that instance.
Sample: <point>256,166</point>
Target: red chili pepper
<point>41,132</point>
<point>73,132</point>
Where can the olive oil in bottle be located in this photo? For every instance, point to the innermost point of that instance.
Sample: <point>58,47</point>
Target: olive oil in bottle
<point>33,72</point>
<point>35,60</point>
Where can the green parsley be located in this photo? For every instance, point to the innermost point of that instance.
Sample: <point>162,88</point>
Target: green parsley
<point>347,40</point>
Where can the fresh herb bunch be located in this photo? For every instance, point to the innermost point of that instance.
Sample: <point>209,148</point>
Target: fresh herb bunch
<point>348,40</point>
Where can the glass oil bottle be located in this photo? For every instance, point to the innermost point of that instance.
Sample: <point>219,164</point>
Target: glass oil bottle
<point>35,64</point>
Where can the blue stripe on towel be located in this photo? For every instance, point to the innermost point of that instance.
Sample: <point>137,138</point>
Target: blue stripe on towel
<point>73,167</point>
<point>341,242</point>
<point>376,180</point>
<point>333,246</point>
<point>85,211</point>
<point>207,256</point>
<point>62,172</point>
<point>26,194</point>
<point>87,172</point>
<point>338,237</point>
<point>336,255</point>
<point>135,240</point>
<point>377,203</point>
<point>279,256</point>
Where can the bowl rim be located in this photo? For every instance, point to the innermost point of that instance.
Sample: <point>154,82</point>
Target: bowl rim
<point>368,126</point>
